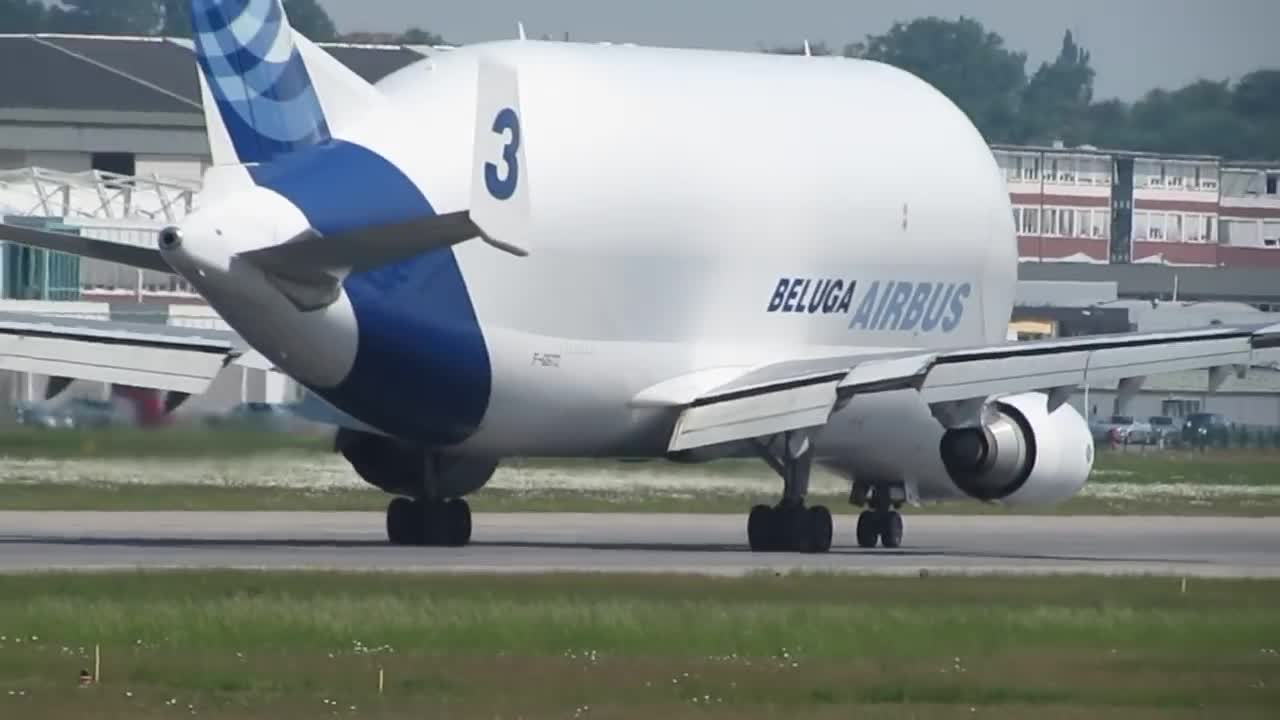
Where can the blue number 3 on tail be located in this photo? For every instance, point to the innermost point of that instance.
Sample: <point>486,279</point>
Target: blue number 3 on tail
<point>504,187</point>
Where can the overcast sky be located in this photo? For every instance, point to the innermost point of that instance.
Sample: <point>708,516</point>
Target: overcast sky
<point>1136,44</point>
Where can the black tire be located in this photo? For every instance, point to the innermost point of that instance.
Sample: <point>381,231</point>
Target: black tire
<point>760,528</point>
<point>868,529</point>
<point>457,525</point>
<point>402,517</point>
<point>891,529</point>
<point>435,522</point>
<point>820,529</point>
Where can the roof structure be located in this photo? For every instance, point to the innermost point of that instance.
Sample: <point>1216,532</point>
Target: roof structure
<point>136,76</point>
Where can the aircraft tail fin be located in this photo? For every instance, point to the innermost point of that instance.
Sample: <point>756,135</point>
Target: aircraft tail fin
<point>268,90</point>
<point>500,205</point>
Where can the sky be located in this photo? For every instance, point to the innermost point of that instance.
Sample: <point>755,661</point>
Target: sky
<point>1136,45</point>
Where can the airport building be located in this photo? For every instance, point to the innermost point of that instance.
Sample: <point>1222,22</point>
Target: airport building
<point>108,140</point>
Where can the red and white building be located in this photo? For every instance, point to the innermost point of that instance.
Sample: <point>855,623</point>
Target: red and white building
<point>1096,206</point>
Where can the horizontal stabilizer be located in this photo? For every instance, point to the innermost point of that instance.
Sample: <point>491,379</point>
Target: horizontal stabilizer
<point>147,258</point>
<point>363,249</point>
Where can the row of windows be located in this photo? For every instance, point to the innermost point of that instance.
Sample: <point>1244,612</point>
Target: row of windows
<point>1173,226</point>
<point>1093,170</point>
<point>1063,222</point>
<point>1062,170</point>
<point>1096,223</point>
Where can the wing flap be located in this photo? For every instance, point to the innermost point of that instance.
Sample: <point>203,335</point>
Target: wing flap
<point>150,356</point>
<point>756,413</point>
<point>802,394</point>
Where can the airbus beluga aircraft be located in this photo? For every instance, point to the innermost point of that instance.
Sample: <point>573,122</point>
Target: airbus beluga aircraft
<point>528,248</point>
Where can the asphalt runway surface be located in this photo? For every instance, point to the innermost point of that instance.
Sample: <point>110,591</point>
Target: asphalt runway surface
<point>714,544</point>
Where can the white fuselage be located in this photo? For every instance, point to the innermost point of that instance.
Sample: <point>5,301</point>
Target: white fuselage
<point>691,210</point>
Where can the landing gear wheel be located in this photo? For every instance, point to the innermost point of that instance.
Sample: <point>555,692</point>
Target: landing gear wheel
<point>890,529</point>
<point>403,521</point>
<point>429,522</point>
<point>760,528</point>
<point>789,529</point>
<point>457,523</point>
<point>820,529</point>
<point>868,531</point>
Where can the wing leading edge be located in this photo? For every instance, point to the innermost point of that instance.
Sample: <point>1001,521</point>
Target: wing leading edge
<point>802,394</point>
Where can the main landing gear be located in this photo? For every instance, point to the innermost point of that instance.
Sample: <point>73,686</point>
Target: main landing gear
<point>881,521</point>
<point>789,525</point>
<point>429,522</point>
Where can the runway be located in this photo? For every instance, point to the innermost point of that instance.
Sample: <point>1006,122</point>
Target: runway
<point>713,544</point>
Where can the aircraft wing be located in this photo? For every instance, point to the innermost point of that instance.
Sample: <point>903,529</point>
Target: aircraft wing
<point>802,394</point>
<point>163,357</point>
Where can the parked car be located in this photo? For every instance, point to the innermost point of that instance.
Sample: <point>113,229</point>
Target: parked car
<point>1164,429</point>
<point>74,413</point>
<point>256,416</point>
<point>1124,428</point>
<point>1206,429</point>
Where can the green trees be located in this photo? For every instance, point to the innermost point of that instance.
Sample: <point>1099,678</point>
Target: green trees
<point>990,83</point>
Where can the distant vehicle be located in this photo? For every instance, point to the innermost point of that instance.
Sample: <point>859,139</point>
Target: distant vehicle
<point>257,416</point>
<point>1163,429</point>
<point>1125,428</point>
<point>75,413</point>
<point>1206,429</point>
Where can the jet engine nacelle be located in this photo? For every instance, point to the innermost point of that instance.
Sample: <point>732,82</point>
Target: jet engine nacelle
<point>1023,455</point>
<point>407,469</point>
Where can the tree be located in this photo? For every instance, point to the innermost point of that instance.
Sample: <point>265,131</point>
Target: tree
<point>305,16</point>
<point>418,36</point>
<point>22,16</point>
<point>105,17</point>
<point>1258,95</point>
<point>308,18</point>
<point>964,61</point>
<point>177,18</point>
<point>1056,101</point>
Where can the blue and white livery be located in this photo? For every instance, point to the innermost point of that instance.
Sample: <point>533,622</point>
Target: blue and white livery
<point>260,84</point>
<point>535,248</point>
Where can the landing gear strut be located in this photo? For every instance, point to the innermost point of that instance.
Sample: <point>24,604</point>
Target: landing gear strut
<point>881,521</point>
<point>789,525</point>
<point>429,522</point>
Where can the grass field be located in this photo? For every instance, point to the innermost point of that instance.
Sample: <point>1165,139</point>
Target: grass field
<point>235,644</point>
<point>199,470</point>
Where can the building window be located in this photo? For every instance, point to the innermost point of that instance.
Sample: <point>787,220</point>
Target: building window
<point>118,163</point>
<point>1141,221</point>
<point>1082,223</point>
<point>1179,408</point>
<point>1029,218</point>
<point>1017,218</point>
<point>1067,221</point>
<point>1048,223</point>
<point>1155,226</point>
<point>1173,231</point>
<point>1271,184</point>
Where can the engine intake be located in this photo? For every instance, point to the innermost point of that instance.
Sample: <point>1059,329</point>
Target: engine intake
<point>1023,454</point>
<point>991,462</point>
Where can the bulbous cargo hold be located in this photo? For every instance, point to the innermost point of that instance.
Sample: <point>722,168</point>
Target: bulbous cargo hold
<point>1023,455</point>
<point>725,165</point>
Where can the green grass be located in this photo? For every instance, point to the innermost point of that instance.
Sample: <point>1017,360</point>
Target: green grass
<point>114,497</point>
<point>177,442</point>
<point>239,644</point>
<point>1219,467</point>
